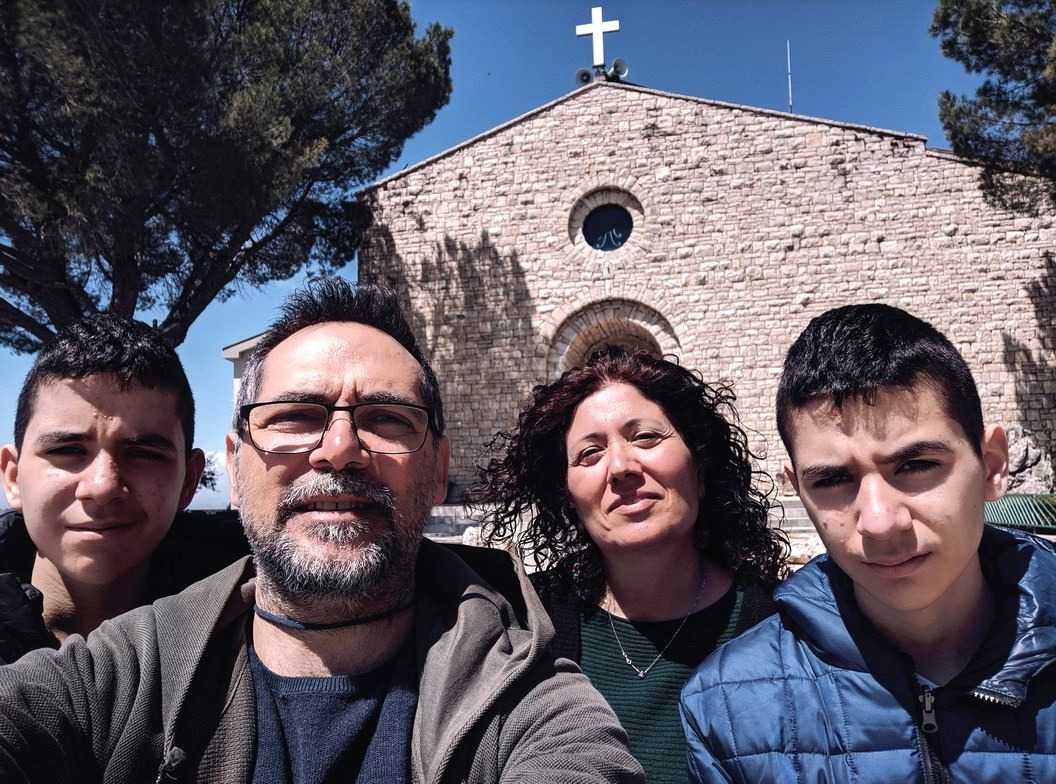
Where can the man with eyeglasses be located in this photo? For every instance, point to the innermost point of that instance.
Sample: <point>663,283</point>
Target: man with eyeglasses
<point>350,648</point>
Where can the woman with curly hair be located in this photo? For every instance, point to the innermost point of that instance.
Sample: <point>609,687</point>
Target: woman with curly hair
<point>630,484</point>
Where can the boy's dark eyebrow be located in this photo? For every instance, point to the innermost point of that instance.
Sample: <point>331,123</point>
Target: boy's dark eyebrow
<point>56,437</point>
<point>819,471</point>
<point>152,440</point>
<point>915,450</point>
<point>52,437</point>
<point>908,452</point>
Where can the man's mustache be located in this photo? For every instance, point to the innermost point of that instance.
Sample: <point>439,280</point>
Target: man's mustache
<point>318,485</point>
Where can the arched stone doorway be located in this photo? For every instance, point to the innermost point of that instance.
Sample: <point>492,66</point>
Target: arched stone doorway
<point>625,334</point>
<point>620,322</point>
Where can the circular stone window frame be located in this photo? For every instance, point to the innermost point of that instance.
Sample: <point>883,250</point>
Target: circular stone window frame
<point>641,232</point>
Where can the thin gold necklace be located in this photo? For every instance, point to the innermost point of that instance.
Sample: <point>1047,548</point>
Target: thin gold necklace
<point>642,673</point>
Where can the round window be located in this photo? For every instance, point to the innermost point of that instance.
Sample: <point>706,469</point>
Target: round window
<point>607,227</point>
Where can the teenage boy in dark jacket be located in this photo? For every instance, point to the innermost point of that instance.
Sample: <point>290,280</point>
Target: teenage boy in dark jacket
<point>919,648</point>
<point>102,460</point>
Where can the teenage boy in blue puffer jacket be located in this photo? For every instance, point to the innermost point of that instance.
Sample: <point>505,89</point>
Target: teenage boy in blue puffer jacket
<point>918,648</point>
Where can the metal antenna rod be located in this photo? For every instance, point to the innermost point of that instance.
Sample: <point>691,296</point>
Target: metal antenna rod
<point>788,54</point>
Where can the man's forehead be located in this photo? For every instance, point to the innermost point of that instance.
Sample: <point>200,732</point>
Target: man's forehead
<point>339,355</point>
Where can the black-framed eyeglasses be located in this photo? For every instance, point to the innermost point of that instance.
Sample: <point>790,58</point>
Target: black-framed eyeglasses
<point>289,428</point>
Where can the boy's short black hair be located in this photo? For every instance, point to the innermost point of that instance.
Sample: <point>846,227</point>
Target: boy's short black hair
<point>133,353</point>
<point>852,352</point>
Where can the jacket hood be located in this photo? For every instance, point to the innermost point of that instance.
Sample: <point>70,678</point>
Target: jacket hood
<point>818,602</point>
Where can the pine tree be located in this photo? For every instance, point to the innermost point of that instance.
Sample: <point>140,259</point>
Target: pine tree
<point>158,154</point>
<point>1010,124</point>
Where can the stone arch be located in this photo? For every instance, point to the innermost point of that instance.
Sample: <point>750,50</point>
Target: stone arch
<point>622,322</point>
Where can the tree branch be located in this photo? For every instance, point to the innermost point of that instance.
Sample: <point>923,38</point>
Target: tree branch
<point>18,318</point>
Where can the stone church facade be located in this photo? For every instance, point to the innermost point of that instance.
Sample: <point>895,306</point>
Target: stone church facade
<point>746,223</point>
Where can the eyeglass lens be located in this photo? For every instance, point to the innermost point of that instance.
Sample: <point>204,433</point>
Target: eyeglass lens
<point>298,427</point>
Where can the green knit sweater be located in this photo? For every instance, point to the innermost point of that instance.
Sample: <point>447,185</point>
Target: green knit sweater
<point>648,707</point>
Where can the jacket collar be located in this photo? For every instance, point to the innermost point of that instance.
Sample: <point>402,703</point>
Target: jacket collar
<point>1021,569</point>
<point>211,613</point>
<point>818,603</point>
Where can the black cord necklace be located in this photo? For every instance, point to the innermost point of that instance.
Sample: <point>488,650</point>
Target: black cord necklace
<point>308,626</point>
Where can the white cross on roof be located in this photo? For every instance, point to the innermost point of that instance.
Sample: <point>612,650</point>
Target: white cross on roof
<point>597,29</point>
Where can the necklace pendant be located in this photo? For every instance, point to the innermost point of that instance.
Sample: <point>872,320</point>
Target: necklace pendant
<point>630,663</point>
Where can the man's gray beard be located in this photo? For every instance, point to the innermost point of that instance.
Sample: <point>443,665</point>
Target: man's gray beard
<point>377,573</point>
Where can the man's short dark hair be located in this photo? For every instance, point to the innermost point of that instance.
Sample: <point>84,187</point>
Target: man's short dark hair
<point>853,352</point>
<point>332,299</point>
<point>133,353</point>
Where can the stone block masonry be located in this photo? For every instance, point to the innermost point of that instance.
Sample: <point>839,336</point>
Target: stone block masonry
<point>747,223</point>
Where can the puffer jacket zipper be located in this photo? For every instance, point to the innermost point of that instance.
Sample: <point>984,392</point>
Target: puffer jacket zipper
<point>928,736</point>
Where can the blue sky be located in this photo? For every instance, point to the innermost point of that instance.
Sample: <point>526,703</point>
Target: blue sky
<point>859,61</point>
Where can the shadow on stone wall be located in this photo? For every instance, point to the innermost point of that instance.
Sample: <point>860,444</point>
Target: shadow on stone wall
<point>471,309</point>
<point>1032,445</point>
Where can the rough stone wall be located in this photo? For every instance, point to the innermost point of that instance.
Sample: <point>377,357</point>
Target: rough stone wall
<point>747,224</point>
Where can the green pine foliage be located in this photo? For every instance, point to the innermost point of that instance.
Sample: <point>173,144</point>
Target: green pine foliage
<point>1010,124</point>
<point>158,154</point>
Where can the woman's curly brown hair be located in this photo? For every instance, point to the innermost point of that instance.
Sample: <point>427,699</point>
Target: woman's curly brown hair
<point>522,496</point>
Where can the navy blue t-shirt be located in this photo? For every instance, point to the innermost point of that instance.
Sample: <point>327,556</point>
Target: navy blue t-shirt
<point>341,728</point>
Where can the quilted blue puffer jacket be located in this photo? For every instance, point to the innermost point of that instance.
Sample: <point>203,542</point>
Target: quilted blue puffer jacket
<point>814,694</point>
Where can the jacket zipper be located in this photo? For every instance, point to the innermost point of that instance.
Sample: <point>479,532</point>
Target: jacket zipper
<point>934,771</point>
<point>928,722</point>
<point>995,698</point>
<point>174,758</point>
